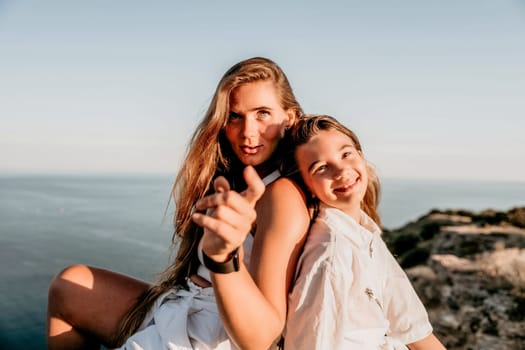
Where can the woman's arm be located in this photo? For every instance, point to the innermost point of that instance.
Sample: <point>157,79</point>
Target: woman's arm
<point>260,294</point>
<point>430,342</point>
<point>282,224</point>
<point>253,305</point>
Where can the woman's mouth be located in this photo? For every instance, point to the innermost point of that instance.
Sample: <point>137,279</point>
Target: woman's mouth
<point>249,150</point>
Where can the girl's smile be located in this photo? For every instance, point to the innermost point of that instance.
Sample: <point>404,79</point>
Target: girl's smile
<point>348,187</point>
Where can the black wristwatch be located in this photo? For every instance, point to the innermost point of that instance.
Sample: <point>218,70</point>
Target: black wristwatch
<point>231,265</point>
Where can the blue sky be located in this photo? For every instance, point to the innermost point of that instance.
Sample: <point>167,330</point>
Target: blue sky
<point>433,89</point>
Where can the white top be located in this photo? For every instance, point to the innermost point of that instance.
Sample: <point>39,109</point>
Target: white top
<point>350,292</point>
<point>187,319</point>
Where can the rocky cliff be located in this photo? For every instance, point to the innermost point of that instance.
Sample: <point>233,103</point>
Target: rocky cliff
<point>469,270</point>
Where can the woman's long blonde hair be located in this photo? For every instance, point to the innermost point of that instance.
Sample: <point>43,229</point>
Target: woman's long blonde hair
<point>208,155</point>
<point>309,126</point>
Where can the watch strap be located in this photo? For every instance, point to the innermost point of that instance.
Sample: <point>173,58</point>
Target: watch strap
<point>230,265</point>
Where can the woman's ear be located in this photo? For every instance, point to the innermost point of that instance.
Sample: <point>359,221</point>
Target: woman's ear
<point>288,122</point>
<point>291,118</point>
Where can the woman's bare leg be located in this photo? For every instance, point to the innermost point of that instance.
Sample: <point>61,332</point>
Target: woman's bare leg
<point>85,305</point>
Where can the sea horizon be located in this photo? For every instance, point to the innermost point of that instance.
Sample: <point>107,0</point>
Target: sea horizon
<point>457,193</point>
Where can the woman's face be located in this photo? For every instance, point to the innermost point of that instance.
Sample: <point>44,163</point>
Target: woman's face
<point>334,170</point>
<point>256,122</point>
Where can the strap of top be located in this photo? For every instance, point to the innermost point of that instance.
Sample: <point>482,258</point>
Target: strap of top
<point>271,177</point>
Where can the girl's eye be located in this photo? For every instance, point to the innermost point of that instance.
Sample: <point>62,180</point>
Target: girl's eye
<point>347,154</point>
<point>320,169</point>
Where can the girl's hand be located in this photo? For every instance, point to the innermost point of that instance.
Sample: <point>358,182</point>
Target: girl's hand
<point>229,215</point>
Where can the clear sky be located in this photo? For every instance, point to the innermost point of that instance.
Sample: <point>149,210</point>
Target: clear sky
<point>433,89</point>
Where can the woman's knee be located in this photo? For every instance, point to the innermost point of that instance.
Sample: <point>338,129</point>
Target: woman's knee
<point>66,284</point>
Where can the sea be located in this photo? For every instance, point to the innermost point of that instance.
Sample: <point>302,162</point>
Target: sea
<point>124,223</point>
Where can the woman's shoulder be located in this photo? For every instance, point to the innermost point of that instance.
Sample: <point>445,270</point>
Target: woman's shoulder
<point>284,186</point>
<point>284,195</point>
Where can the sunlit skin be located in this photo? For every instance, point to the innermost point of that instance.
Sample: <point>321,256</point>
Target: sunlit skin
<point>334,170</point>
<point>256,123</point>
<point>102,308</point>
<point>56,325</point>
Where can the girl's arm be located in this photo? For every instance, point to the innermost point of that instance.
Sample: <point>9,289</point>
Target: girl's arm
<point>430,342</point>
<point>318,304</point>
<point>252,302</point>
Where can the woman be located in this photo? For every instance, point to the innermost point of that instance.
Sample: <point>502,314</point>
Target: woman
<point>249,115</point>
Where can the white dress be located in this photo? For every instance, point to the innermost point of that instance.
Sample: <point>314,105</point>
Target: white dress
<point>350,292</point>
<point>187,319</point>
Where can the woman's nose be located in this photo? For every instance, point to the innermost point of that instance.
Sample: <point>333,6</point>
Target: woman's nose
<point>249,127</point>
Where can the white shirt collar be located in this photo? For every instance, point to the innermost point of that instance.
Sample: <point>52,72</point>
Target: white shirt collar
<point>361,234</point>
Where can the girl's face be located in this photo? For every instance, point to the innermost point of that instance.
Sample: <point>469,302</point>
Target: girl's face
<point>257,122</point>
<point>334,170</point>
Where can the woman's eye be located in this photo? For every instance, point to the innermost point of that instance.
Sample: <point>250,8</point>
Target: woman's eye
<point>234,116</point>
<point>263,114</point>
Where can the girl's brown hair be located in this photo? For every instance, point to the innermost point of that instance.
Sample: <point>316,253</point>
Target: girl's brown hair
<point>309,126</point>
<point>208,155</point>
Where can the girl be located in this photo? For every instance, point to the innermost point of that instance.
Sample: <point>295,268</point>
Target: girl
<point>350,292</point>
<point>244,274</point>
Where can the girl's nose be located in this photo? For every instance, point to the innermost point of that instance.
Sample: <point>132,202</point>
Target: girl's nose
<point>339,172</point>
